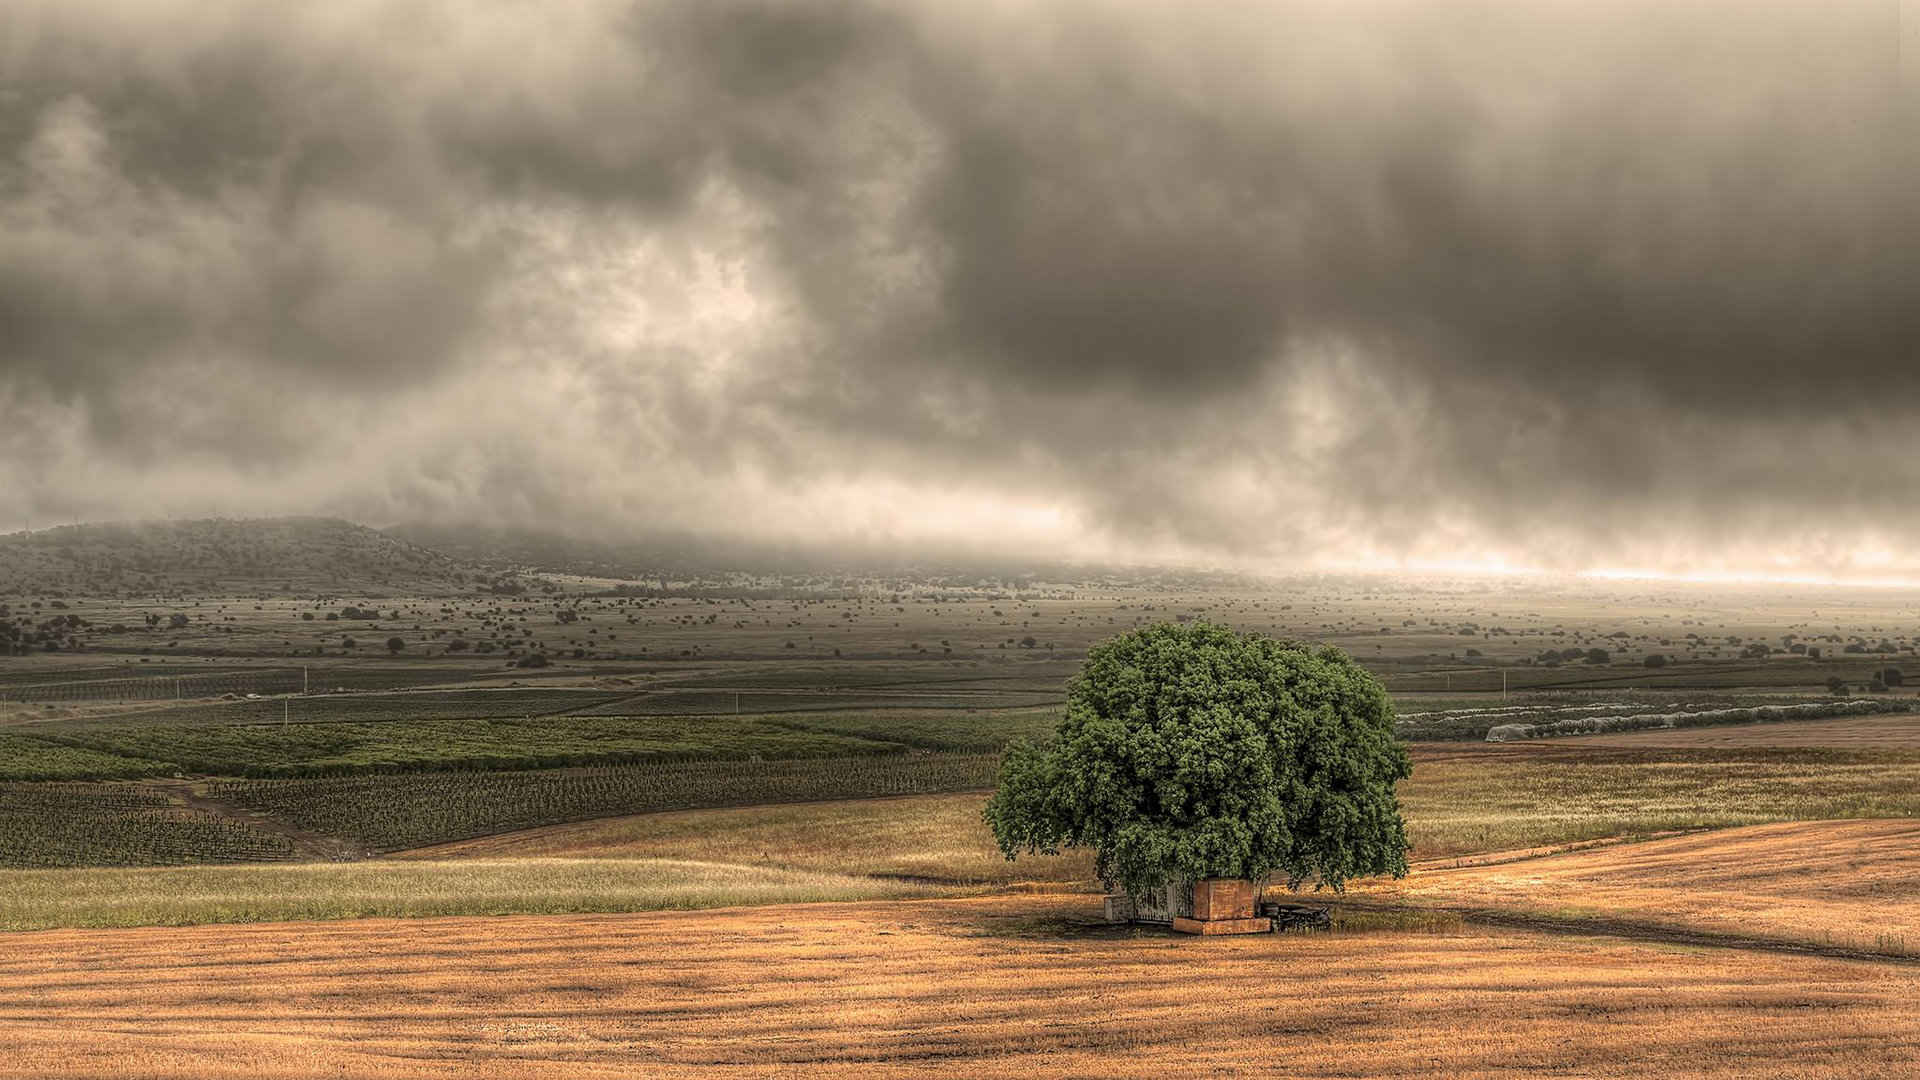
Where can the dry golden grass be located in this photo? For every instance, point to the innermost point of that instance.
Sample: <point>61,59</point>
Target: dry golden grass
<point>177,896</point>
<point>1850,884</point>
<point>1001,987</point>
<point>925,837</point>
<point>1491,797</point>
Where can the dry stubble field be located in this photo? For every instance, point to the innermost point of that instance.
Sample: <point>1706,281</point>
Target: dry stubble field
<point>996,987</point>
<point>1852,885</point>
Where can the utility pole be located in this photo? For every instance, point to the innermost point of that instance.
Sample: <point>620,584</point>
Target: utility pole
<point>1503,684</point>
<point>303,678</point>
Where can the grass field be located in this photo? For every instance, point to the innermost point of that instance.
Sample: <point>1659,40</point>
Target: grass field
<point>26,758</point>
<point>1848,884</point>
<point>359,708</point>
<point>482,729</point>
<point>264,750</point>
<point>103,897</point>
<point>1013,987</point>
<point>1494,797</point>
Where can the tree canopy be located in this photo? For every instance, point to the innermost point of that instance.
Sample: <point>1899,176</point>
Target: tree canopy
<point>1193,751</point>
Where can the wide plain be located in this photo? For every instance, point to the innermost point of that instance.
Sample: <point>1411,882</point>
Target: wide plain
<point>661,855</point>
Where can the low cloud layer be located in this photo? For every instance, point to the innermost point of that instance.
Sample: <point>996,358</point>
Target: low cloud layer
<point>1275,285</point>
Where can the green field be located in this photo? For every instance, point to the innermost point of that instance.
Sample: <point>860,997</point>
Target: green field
<point>272,750</point>
<point>970,731</point>
<point>365,708</point>
<point>23,757</point>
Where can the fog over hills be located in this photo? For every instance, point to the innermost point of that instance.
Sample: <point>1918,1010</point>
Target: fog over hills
<point>332,556</point>
<point>1288,285</point>
<point>218,555</point>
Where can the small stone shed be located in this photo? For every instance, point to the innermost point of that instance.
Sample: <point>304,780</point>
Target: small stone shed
<point>1212,906</point>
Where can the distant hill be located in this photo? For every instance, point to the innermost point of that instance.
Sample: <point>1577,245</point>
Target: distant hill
<point>653,555</point>
<point>219,555</point>
<point>742,562</point>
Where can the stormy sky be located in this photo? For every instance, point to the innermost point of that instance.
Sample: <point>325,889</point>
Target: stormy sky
<point>1273,285</point>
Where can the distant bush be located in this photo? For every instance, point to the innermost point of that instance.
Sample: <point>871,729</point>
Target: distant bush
<point>533,660</point>
<point>1655,660</point>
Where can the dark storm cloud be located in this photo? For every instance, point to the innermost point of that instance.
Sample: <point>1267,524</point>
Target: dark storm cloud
<point>1557,283</point>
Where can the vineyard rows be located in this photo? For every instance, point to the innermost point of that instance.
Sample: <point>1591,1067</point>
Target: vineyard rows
<point>386,813</point>
<point>50,824</point>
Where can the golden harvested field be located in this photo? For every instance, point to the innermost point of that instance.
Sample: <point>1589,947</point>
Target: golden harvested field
<point>997,987</point>
<point>1892,731</point>
<point>1847,884</point>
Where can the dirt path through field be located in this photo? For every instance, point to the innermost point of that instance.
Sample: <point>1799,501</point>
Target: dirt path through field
<point>307,846</point>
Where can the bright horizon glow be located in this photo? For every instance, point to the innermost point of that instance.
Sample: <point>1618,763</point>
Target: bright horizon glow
<point>1496,566</point>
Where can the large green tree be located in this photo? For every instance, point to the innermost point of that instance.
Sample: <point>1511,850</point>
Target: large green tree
<point>1193,751</point>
